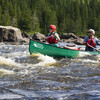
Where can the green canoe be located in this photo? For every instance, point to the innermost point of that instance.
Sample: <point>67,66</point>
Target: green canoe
<point>46,49</point>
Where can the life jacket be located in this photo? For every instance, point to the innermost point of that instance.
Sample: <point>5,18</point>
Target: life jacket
<point>51,39</point>
<point>91,42</point>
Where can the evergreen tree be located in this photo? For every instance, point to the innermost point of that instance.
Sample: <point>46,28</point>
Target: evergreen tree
<point>0,14</point>
<point>25,21</point>
<point>6,19</point>
<point>36,15</point>
<point>35,23</point>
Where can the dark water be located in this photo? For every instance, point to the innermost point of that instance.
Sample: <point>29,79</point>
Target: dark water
<point>39,77</point>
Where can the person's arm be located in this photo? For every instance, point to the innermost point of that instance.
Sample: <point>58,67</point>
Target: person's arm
<point>98,42</point>
<point>57,36</point>
<point>85,41</point>
<point>46,38</point>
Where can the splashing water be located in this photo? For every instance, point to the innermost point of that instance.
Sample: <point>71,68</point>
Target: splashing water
<point>6,72</point>
<point>39,77</point>
<point>98,57</point>
<point>82,54</point>
<point>7,61</point>
<point>86,60</point>
<point>44,60</point>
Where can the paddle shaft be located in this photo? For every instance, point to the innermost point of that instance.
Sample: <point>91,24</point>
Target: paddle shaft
<point>93,47</point>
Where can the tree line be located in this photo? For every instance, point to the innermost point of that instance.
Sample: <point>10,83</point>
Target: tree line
<point>75,16</point>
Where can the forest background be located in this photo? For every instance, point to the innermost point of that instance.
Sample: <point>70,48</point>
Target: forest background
<point>75,16</point>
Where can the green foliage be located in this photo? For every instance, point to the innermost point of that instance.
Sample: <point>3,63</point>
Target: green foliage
<point>31,32</point>
<point>25,21</point>
<point>36,15</point>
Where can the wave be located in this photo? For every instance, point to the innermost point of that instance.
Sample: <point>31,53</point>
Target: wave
<point>44,60</point>
<point>5,72</point>
<point>82,54</point>
<point>7,61</point>
<point>98,57</point>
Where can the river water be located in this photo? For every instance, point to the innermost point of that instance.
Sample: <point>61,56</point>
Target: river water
<point>39,77</point>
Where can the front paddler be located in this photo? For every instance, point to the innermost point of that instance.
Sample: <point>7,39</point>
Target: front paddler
<point>53,37</point>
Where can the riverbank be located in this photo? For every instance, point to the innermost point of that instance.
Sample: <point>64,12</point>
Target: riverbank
<point>14,36</point>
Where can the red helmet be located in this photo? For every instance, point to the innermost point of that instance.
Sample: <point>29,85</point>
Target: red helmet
<point>53,27</point>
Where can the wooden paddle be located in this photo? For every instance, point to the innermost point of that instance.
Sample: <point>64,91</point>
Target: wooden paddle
<point>93,47</point>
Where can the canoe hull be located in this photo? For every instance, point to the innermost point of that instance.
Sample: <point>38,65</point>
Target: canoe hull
<point>46,49</point>
<point>37,47</point>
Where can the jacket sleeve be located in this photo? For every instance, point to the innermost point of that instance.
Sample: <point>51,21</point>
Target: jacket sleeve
<point>98,42</point>
<point>86,39</point>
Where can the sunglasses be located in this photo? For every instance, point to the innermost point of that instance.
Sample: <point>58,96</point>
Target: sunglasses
<point>89,32</point>
<point>50,28</point>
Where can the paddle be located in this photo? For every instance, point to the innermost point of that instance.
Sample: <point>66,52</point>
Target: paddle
<point>93,47</point>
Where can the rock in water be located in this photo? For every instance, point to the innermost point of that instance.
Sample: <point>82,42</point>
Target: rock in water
<point>10,34</point>
<point>39,37</point>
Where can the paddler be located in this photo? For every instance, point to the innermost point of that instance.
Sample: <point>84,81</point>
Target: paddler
<point>91,41</point>
<point>53,37</point>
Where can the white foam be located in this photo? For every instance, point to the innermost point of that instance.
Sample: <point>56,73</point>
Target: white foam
<point>98,57</point>
<point>44,60</point>
<point>17,54</point>
<point>82,54</point>
<point>5,72</point>
<point>7,61</point>
<point>88,60</point>
<point>9,96</point>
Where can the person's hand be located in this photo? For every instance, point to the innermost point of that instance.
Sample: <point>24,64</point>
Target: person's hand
<point>85,43</point>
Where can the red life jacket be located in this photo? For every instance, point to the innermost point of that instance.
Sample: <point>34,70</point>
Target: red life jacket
<point>51,39</point>
<point>91,42</point>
